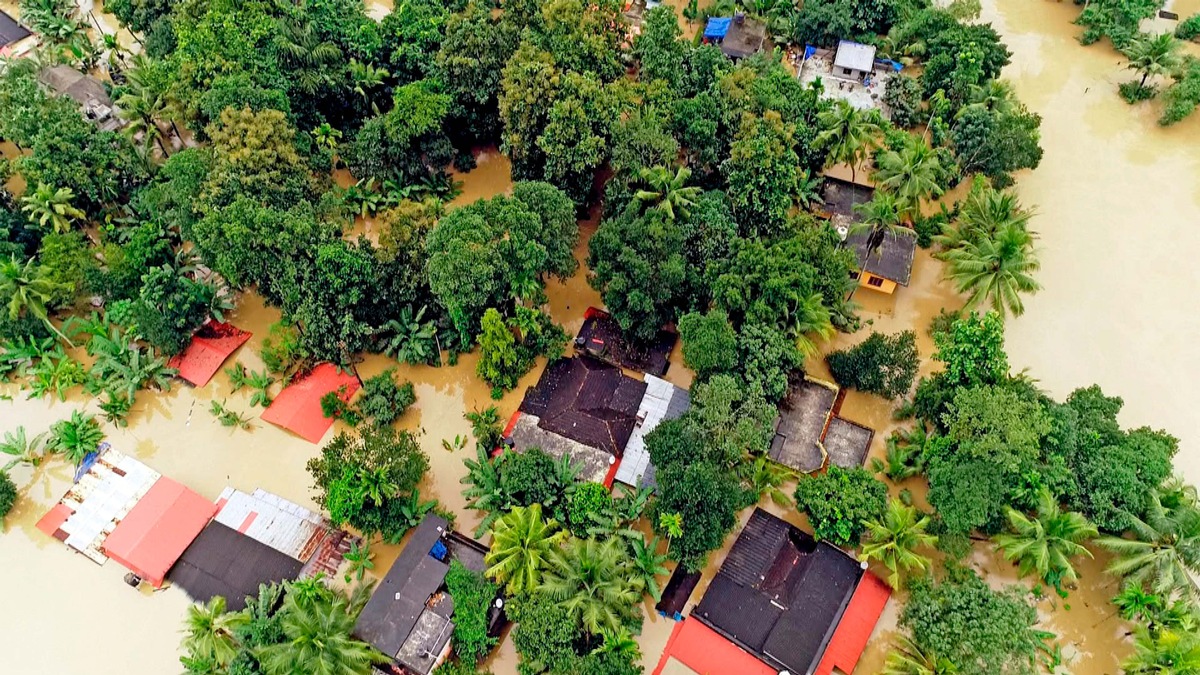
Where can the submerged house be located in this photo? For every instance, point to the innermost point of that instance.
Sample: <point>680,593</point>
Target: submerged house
<point>601,336</point>
<point>663,401</point>
<point>885,260</point>
<point>809,432</point>
<point>94,101</point>
<point>781,602</point>
<point>738,36</point>
<point>854,60</point>
<point>258,538</point>
<point>410,617</point>
<point>581,408</point>
<point>11,32</point>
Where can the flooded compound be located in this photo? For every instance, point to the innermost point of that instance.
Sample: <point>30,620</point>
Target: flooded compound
<point>1117,200</point>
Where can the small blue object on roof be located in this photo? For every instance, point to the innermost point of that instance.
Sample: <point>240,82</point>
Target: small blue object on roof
<point>809,50</point>
<point>717,27</point>
<point>439,550</point>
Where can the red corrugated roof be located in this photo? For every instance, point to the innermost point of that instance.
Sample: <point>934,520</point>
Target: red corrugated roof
<point>298,408</point>
<point>858,622</point>
<point>158,529</point>
<point>54,519</point>
<point>707,653</point>
<point>209,348</point>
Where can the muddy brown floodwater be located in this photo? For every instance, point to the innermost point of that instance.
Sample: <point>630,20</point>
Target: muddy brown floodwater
<point>1118,199</point>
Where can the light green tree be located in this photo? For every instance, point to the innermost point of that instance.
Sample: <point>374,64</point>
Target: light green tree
<point>29,289</point>
<point>1164,552</point>
<point>210,632</point>
<point>895,540</point>
<point>318,641</point>
<point>1154,55</point>
<point>52,207</point>
<point>848,134</point>
<point>908,658</point>
<point>1047,542</point>
<point>590,579</point>
<point>523,544</point>
<point>669,194</point>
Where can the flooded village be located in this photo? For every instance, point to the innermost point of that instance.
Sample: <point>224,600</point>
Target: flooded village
<point>1117,204</point>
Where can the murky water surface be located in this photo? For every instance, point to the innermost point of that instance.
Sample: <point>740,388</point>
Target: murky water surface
<point>1118,203</point>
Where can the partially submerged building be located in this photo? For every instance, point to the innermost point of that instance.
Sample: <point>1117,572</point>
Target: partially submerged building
<point>854,60</point>
<point>884,259</point>
<point>11,33</point>
<point>581,408</point>
<point>410,617</point>
<point>119,508</point>
<point>93,99</point>
<point>809,432</point>
<point>258,538</point>
<point>738,36</point>
<point>781,602</point>
<point>851,72</point>
<point>601,337</point>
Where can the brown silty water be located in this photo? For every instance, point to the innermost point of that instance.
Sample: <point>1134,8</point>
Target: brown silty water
<point>1102,158</point>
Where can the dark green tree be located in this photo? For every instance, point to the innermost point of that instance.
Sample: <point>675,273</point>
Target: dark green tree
<point>841,502</point>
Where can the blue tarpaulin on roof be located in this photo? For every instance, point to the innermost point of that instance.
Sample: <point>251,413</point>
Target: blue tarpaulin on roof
<point>717,27</point>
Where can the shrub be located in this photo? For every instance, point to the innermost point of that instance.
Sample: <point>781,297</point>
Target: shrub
<point>882,364</point>
<point>473,595</point>
<point>589,498</point>
<point>903,97</point>
<point>76,437</point>
<point>1189,28</point>
<point>1133,92</point>
<point>840,501</point>
<point>8,494</point>
<point>334,407</point>
<point>383,400</point>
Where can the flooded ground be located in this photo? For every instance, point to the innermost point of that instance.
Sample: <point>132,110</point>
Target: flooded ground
<point>1115,196</point>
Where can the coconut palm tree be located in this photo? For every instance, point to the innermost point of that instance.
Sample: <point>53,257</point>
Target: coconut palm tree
<point>810,320</point>
<point>647,565</point>
<point>318,641</point>
<point>590,580</point>
<point>908,658</point>
<point>1046,543</point>
<point>619,642</point>
<point>29,290</point>
<point>141,109</point>
<point>996,95</point>
<point>1165,550</point>
<point>894,541</point>
<point>23,450</point>
<point>308,58</point>
<point>668,193</point>
<point>1156,612</point>
<point>995,270</point>
<point>878,218</point>
<point>912,172</point>
<point>1153,55</point>
<point>765,478</point>
<point>52,207</point>
<point>522,546</point>
<point>1166,653</point>
<point>210,632</point>
<point>848,134</point>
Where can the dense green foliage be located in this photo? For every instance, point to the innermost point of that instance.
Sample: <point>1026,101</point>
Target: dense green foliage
<point>473,595</point>
<point>8,494</point>
<point>840,502</point>
<point>881,364</point>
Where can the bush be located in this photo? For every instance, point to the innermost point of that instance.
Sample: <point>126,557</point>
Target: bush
<point>840,501</point>
<point>473,595</point>
<point>1133,92</point>
<point>383,400</point>
<point>334,407</point>
<point>709,342</point>
<point>903,97</point>
<point>1189,28</point>
<point>8,494</point>
<point>589,498</point>
<point>882,364</point>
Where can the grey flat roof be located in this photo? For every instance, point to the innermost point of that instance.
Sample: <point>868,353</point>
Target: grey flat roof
<point>847,443</point>
<point>802,418</point>
<point>855,56</point>
<point>222,561</point>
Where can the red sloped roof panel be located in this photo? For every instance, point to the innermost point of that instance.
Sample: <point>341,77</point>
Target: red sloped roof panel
<point>158,529</point>
<point>708,653</point>
<point>298,408</point>
<point>858,622</point>
<point>207,351</point>
<point>54,519</point>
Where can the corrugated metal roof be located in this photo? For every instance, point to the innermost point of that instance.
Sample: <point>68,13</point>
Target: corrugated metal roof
<point>755,549</point>
<point>223,562</point>
<point>662,401</point>
<point>855,56</point>
<point>272,520</point>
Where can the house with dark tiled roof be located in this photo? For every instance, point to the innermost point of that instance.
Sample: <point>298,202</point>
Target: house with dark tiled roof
<point>581,408</point>
<point>781,601</point>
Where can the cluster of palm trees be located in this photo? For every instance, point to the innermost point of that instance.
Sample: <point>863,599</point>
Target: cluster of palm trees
<point>310,632</point>
<point>598,580</point>
<point>989,251</point>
